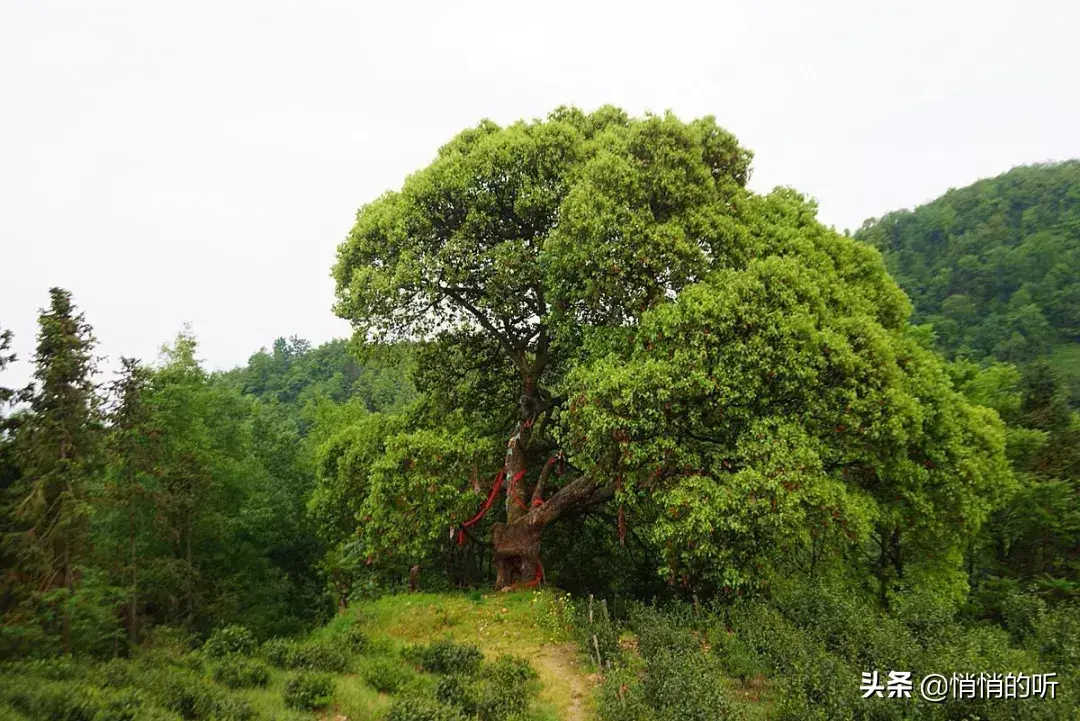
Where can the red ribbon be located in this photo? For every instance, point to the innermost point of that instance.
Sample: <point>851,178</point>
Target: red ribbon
<point>490,499</point>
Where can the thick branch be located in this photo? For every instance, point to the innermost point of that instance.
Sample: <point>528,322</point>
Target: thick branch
<point>579,494</point>
<point>517,357</point>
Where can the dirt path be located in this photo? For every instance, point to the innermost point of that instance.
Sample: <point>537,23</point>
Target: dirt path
<point>572,691</point>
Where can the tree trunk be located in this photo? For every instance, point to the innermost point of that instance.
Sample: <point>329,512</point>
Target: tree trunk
<point>69,584</point>
<point>517,543</point>
<point>517,552</point>
<point>133,621</point>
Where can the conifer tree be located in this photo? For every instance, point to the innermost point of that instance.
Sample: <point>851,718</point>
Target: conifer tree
<point>57,451</point>
<point>133,447</point>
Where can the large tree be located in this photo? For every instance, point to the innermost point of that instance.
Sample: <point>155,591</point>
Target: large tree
<point>58,451</point>
<point>541,264</point>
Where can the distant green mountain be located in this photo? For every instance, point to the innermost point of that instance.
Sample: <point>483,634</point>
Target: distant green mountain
<point>995,267</point>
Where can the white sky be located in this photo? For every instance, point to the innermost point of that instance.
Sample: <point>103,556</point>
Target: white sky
<point>200,161</point>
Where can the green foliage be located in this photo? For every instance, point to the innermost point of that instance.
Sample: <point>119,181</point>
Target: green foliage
<point>677,678</point>
<point>386,675</point>
<point>445,656</point>
<point>193,697</point>
<point>57,450</point>
<point>596,631</point>
<point>419,708</point>
<point>457,692</point>
<point>280,652</point>
<point>309,691</point>
<point>228,640</point>
<point>241,673</point>
<point>510,671</point>
<point>992,266</point>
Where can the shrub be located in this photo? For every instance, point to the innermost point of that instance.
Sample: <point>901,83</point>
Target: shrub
<point>495,702</point>
<point>446,656</point>
<point>193,697</point>
<point>321,656</point>
<point>1022,614</point>
<point>510,671</point>
<point>418,708</point>
<point>456,692</point>
<point>241,673</point>
<point>53,669</point>
<point>600,633</point>
<point>684,686</point>
<point>621,697</point>
<point>46,699</point>
<point>114,674</point>
<point>1057,638</point>
<point>355,640</point>
<point>308,691</point>
<point>280,652</point>
<point>386,676</point>
<point>229,640</point>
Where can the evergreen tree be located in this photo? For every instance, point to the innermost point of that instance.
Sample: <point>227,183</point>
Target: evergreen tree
<point>57,452</point>
<point>134,453</point>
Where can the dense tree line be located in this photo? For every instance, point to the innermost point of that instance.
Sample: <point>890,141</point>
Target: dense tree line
<point>168,495</point>
<point>994,267</point>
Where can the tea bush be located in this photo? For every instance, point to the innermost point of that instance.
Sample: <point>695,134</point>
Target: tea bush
<point>446,656</point>
<point>621,696</point>
<point>230,640</point>
<point>510,671</point>
<point>241,673</point>
<point>308,691</point>
<point>321,656</point>
<point>355,640</point>
<point>456,692</point>
<point>386,676</point>
<point>280,652</point>
<point>419,708</point>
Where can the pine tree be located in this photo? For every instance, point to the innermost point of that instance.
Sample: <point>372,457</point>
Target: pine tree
<point>134,450</point>
<point>57,449</point>
<point>6,394</point>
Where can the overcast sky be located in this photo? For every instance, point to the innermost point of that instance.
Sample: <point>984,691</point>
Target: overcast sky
<point>200,161</point>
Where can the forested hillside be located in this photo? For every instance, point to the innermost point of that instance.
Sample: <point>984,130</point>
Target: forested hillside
<point>600,393</point>
<point>995,267</point>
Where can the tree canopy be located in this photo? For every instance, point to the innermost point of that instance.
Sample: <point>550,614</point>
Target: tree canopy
<point>604,293</point>
<point>995,267</point>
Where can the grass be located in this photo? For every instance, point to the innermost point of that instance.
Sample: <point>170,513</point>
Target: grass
<point>496,623</point>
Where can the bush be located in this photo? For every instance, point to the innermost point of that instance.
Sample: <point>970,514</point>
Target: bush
<point>114,674</point>
<point>1022,614</point>
<point>53,669</point>
<point>321,656</point>
<point>193,697</point>
<point>315,656</point>
<point>229,640</point>
<point>495,702</point>
<point>280,652</point>
<point>1057,638</point>
<point>241,673</point>
<point>418,708</point>
<point>684,686</point>
<point>53,700</point>
<point>510,671</point>
<point>621,697</point>
<point>386,676</point>
<point>446,656</point>
<point>600,633</point>
<point>308,691</point>
<point>355,640</point>
<point>456,692</point>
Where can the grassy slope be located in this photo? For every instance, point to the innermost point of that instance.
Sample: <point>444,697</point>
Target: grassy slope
<point>496,623</point>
